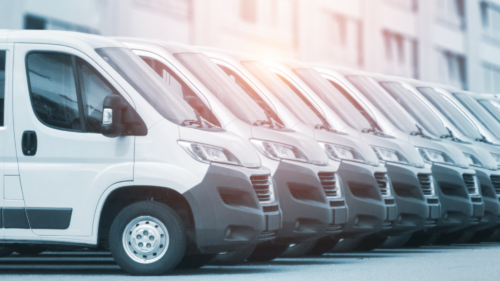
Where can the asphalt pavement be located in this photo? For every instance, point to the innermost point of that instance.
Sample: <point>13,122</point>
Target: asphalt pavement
<point>457,262</point>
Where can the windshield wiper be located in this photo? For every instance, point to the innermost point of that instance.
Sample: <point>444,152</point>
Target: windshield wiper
<point>373,130</point>
<point>483,139</point>
<point>271,123</point>
<point>451,136</point>
<point>325,127</point>
<point>420,132</point>
<point>199,123</point>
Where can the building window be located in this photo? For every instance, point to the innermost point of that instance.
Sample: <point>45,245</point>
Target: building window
<point>401,54</point>
<point>452,69</point>
<point>451,12</point>
<point>248,10</point>
<point>411,5</point>
<point>491,19</point>
<point>341,38</point>
<point>491,76</point>
<point>36,22</point>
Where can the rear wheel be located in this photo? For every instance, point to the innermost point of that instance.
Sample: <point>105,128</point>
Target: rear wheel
<point>370,242</point>
<point>324,245</point>
<point>300,249</point>
<point>29,250</point>
<point>195,261</point>
<point>147,238</point>
<point>234,257</point>
<point>267,251</point>
<point>6,251</point>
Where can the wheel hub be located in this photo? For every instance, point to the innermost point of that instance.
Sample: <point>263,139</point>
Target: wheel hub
<point>145,239</point>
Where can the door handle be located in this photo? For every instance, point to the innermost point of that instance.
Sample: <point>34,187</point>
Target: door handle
<point>29,143</point>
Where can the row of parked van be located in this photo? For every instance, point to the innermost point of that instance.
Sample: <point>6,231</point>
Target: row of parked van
<point>172,156</point>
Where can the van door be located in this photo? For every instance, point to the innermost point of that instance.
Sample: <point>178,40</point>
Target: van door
<point>65,163</point>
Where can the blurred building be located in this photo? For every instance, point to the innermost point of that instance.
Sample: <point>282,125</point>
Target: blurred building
<point>456,42</point>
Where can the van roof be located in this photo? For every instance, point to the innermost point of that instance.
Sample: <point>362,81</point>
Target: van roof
<point>56,37</point>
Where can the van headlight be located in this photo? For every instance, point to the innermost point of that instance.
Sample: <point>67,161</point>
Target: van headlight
<point>389,155</point>
<point>340,152</point>
<point>497,159</point>
<point>473,161</point>
<point>278,151</point>
<point>435,156</point>
<point>208,153</point>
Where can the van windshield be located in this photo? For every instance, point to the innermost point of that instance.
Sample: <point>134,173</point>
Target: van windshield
<point>383,102</point>
<point>478,111</point>
<point>334,98</point>
<point>416,108</point>
<point>283,92</point>
<point>227,91</point>
<point>148,84</point>
<point>451,112</point>
<point>493,107</point>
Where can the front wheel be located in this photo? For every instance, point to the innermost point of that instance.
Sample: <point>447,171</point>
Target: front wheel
<point>147,238</point>
<point>234,257</point>
<point>6,251</point>
<point>195,261</point>
<point>267,251</point>
<point>29,250</point>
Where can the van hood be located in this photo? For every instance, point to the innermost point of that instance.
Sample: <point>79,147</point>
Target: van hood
<point>437,144</point>
<point>480,153</point>
<point>306,144</point>
<point>241,148</point>
<point>346,140</point>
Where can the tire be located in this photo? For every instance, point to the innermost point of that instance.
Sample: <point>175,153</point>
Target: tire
<point>419,239</point>
<point>267,251</point>
<point>130,234</point>
<point>195,261</point>
<point>483,235</point>
<point>6,251</point>
<point>234,257</point>
<point>29,250</point>
<point>300,249</point>
<point>324,245</point>
<point>454,237</point>
<point>395,242</point>
<point>370,242</point>
<point>346,245</point>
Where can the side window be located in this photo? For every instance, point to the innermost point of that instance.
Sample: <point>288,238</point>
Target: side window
<point>94,89</point>
<point>53,90</point>
<point>66,92</point>
<point>183,90</point>
<point>250,92</point>
<point>2,84</point>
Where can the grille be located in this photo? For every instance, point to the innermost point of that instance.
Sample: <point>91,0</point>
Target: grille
<point>267,234</point>
<point>268,209</point>
<point>261,185</point>
<point>329,183</point>
<point>432,201</point>
<point>337,203</point>
<point>476,199</point>
<point>389,201</point>
<point>333,227</point>
<point>470,183</point>
<point>382,183</point>
<point>495,180</point>
<point>426,183</point>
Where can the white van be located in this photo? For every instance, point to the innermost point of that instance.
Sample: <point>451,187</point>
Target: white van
<point>100,152</point>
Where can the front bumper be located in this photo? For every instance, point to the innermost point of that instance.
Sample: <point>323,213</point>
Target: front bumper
<point>226,211</point>
<point>367,209</point>
<point>413,209</point>
<point>456,206</point>
<point>306,212</point>
<point>490,196</point>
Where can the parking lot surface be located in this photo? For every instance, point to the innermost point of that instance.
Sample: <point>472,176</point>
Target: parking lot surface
<point>457,262</point>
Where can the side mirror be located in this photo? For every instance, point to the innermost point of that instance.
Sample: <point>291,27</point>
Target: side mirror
<point>195,103</point>
<point>115,116</point>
